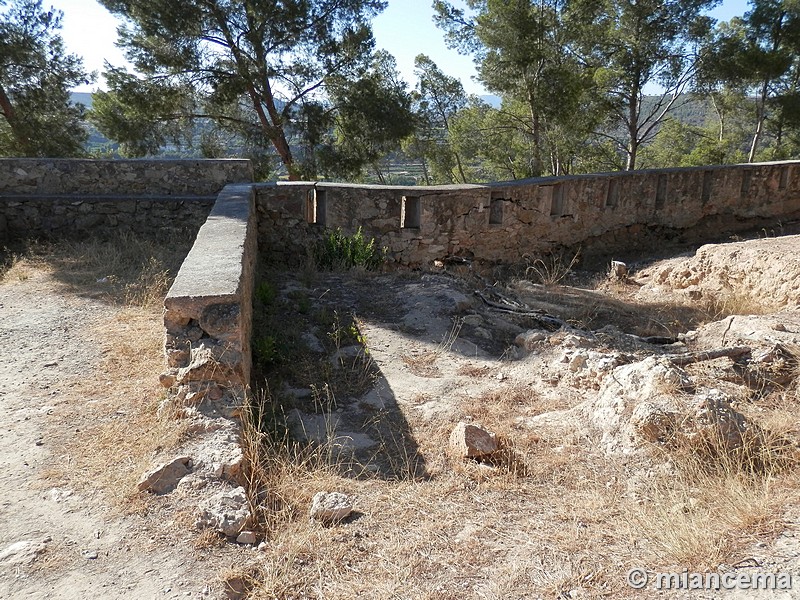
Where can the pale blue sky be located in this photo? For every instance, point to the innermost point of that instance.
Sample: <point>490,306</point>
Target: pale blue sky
<point>405,29</point>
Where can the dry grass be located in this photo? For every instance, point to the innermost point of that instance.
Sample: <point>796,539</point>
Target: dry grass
<point>474,371</point>
<point>114,403</point>
<point>698,519</point>
<point>735,302</point>
<point>120,431</point>
<point>424,364</point>
<point>550,269</point>
<point>550,517</point>
<point>128,270</point>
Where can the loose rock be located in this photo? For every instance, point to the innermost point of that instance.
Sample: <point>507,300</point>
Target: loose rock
<point>719,427</point>
<point>472,441</point>
<point>226,511</point>
<point>246,537</point>
<point>165,477</point>
<point>331,507</point>
<point>619,270</point>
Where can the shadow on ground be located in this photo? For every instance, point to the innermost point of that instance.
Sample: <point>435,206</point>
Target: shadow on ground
<point>313,363</point>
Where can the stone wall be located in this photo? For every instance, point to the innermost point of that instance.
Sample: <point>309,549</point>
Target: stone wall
<point>502,222</point>
<point>208,310</point>
<point>208,320</point>
<point>69,197</point>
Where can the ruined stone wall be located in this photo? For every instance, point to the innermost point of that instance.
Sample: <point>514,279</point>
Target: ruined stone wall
<point>502,222</point>
<point>69,197</point>
<point>208,310</point>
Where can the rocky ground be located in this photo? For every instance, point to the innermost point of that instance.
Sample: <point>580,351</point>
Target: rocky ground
<point>628,376</point>
<point>621,408</point>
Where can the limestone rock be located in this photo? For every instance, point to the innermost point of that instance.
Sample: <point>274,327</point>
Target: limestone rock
<point>177,358</point>
<point>221,321</point>
<point>226,511</point>
<point>578,362</point>
<point>21,553</point>
<point>211,362</point>
<point>164,477</point>
<point>718,426</point>
<point>312,343</point>
<point>651,382</point>
<point>246,537</point>
<point>331,507</point>
<point>219,454</point>
<point>472,441</point>
<point>530,339</point>
<point>653,422</point>
<point>618,270</point>
<point>167,380</point>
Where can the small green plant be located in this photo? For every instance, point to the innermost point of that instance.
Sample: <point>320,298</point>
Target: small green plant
<point>266,293</point>
<point>340,252</point>
<point>265,349</point>
<point>301,300</point>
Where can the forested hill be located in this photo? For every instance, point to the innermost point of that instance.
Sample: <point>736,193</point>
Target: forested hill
<point>691,111</point>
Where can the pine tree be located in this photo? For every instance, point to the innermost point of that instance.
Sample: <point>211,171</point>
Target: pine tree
<point>36,75</point>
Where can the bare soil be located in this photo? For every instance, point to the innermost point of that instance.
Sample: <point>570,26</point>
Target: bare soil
<point>78,399</point>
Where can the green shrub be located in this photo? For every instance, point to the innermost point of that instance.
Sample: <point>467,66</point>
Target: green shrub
<point>266,293</point>
<point>339,252</point>
<point>265,350</point>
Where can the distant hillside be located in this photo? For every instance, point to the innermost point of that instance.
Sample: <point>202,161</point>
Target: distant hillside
<point>84,98</point>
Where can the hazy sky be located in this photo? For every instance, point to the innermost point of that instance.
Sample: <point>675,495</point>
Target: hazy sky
<point>405,29</point>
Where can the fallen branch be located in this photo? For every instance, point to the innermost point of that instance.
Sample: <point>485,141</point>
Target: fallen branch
<point>548,322</point>
<point>734,353</point>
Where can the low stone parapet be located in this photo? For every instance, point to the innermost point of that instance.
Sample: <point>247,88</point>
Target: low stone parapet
<point>504,221</point>
<point>57,198</point>
<point>208,310</point>
<point>208,320</point>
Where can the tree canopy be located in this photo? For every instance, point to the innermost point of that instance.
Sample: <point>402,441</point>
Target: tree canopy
<point>298,86</point>
<point>36,75</point>
<point>275,73</point>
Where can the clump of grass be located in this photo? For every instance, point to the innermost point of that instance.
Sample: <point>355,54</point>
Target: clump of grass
<point>276,464</point>
<point>265,293</point>
<point>340,252</point>
<point>716,499</point>
<point>552,268</point>
<point>735,302</point>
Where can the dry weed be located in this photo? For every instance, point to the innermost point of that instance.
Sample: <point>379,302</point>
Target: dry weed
<point>734,302</point>
<point>424,364</point>
<point>717,501</point>
<point>122,430</point>
<point>129,270</point>
<point>552,268</point>
<point>474,371</point>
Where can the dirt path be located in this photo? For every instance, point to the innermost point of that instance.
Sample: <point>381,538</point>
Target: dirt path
<point>58,542</point>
